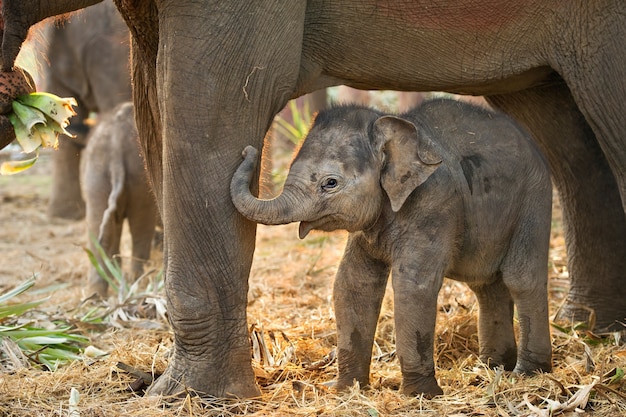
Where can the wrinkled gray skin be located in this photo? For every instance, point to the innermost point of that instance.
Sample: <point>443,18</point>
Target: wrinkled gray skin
<point>87,58</point>
<point>115,186</point>
<point>208,78</point>
<point>447,189</point>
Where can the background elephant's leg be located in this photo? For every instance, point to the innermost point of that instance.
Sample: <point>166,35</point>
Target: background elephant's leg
<point>495,325</point>
<point>93,217</point>
<point>111,234</point>
<point>87,58</point>
<point>141,223</point>
<point>97,195</point>
<point>357,294</point>
<point>66,200</point>
<point>594,219</point>
<point>215,97</point>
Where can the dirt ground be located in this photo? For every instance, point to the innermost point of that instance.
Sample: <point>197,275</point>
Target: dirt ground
<point>292,327</point>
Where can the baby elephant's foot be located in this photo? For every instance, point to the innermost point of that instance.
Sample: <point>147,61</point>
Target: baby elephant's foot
<point>345,383</point>
<point>416,384</point>
<point>530,366</point>
<point>507,359</point>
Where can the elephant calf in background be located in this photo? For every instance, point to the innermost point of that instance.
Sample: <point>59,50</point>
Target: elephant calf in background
<point>447,189</point>
<point>86,57</point>
<point>115,187</point>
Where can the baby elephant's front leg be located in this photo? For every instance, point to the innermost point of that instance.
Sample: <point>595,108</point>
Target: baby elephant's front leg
<point>415,310</point>
<point>358,293</point>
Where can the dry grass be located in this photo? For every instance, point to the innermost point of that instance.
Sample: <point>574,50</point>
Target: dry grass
<point>292,329</point>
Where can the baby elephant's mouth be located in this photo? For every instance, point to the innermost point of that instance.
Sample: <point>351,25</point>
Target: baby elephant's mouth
<point>323,224</point>
<point>304,229</point>
<point>327,224</point>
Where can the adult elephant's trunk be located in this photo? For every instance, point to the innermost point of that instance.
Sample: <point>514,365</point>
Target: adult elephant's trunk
<point>19,15</point>
<point>285,208</point>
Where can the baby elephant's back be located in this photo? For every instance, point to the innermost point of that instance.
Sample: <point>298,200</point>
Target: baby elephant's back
<point>483,147</point>
<point>502,177</point>
<point>113,143</point>
<point>470,131</point>
<point>124,136</point>
<point>112,159</point>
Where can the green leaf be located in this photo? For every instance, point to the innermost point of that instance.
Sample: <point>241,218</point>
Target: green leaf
<point>24,286</point>
<point>94,262</point>
<point>48,347</point>
<point>45,340</point>
<point>31,333</point>
<point>619,375</point>
<point>29,141</point>
<point>19,309</point>
<point>561,328</point>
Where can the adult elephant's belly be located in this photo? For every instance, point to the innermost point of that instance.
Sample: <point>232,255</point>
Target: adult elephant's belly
<point>396,46</point>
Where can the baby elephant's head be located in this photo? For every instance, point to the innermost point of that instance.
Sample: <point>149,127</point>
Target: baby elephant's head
<point>354,161</point>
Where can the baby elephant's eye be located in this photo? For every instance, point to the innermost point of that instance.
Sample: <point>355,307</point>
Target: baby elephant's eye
<point>329,184</point>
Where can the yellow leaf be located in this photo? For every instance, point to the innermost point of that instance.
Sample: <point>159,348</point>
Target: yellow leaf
<point>13,167</point>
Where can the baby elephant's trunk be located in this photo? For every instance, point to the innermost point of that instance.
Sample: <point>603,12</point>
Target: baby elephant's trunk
<point>280,210</point>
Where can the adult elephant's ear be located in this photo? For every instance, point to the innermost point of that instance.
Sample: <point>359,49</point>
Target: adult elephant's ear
<point>409,155</point>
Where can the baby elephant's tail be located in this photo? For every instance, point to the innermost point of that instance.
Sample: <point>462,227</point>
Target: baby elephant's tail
<point>111,218</point>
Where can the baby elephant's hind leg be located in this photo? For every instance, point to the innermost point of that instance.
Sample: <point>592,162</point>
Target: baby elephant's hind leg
<point>495,325</point>
<point>525,273</point>
<point>535,350</point>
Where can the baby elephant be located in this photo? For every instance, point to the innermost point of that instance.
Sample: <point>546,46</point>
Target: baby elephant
<point>116,187</point>
<point>447,189</point>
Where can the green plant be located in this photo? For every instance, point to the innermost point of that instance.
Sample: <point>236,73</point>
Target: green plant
<point>130,297</point>
<point>296,129</point>
<point>111,271</point>
<point>24,344</point>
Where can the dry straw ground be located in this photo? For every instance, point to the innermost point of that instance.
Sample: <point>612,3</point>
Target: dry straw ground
<point>292,337</point>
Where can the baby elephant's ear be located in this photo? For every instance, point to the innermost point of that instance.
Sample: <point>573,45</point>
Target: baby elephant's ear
<point>410,157</point>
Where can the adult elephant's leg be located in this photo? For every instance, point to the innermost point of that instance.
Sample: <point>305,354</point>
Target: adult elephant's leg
<point>222,74</point>
<point>594,68</point>
<point>66,200</point>
<point>594,220</point>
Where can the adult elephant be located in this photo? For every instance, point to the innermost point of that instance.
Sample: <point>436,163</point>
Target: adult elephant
<point>209,77</point>
<point>87,57</point>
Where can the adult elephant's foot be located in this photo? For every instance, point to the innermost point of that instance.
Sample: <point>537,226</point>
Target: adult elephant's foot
<point>184,376</point>
<point>73,209</point>
<point>602,310</point>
